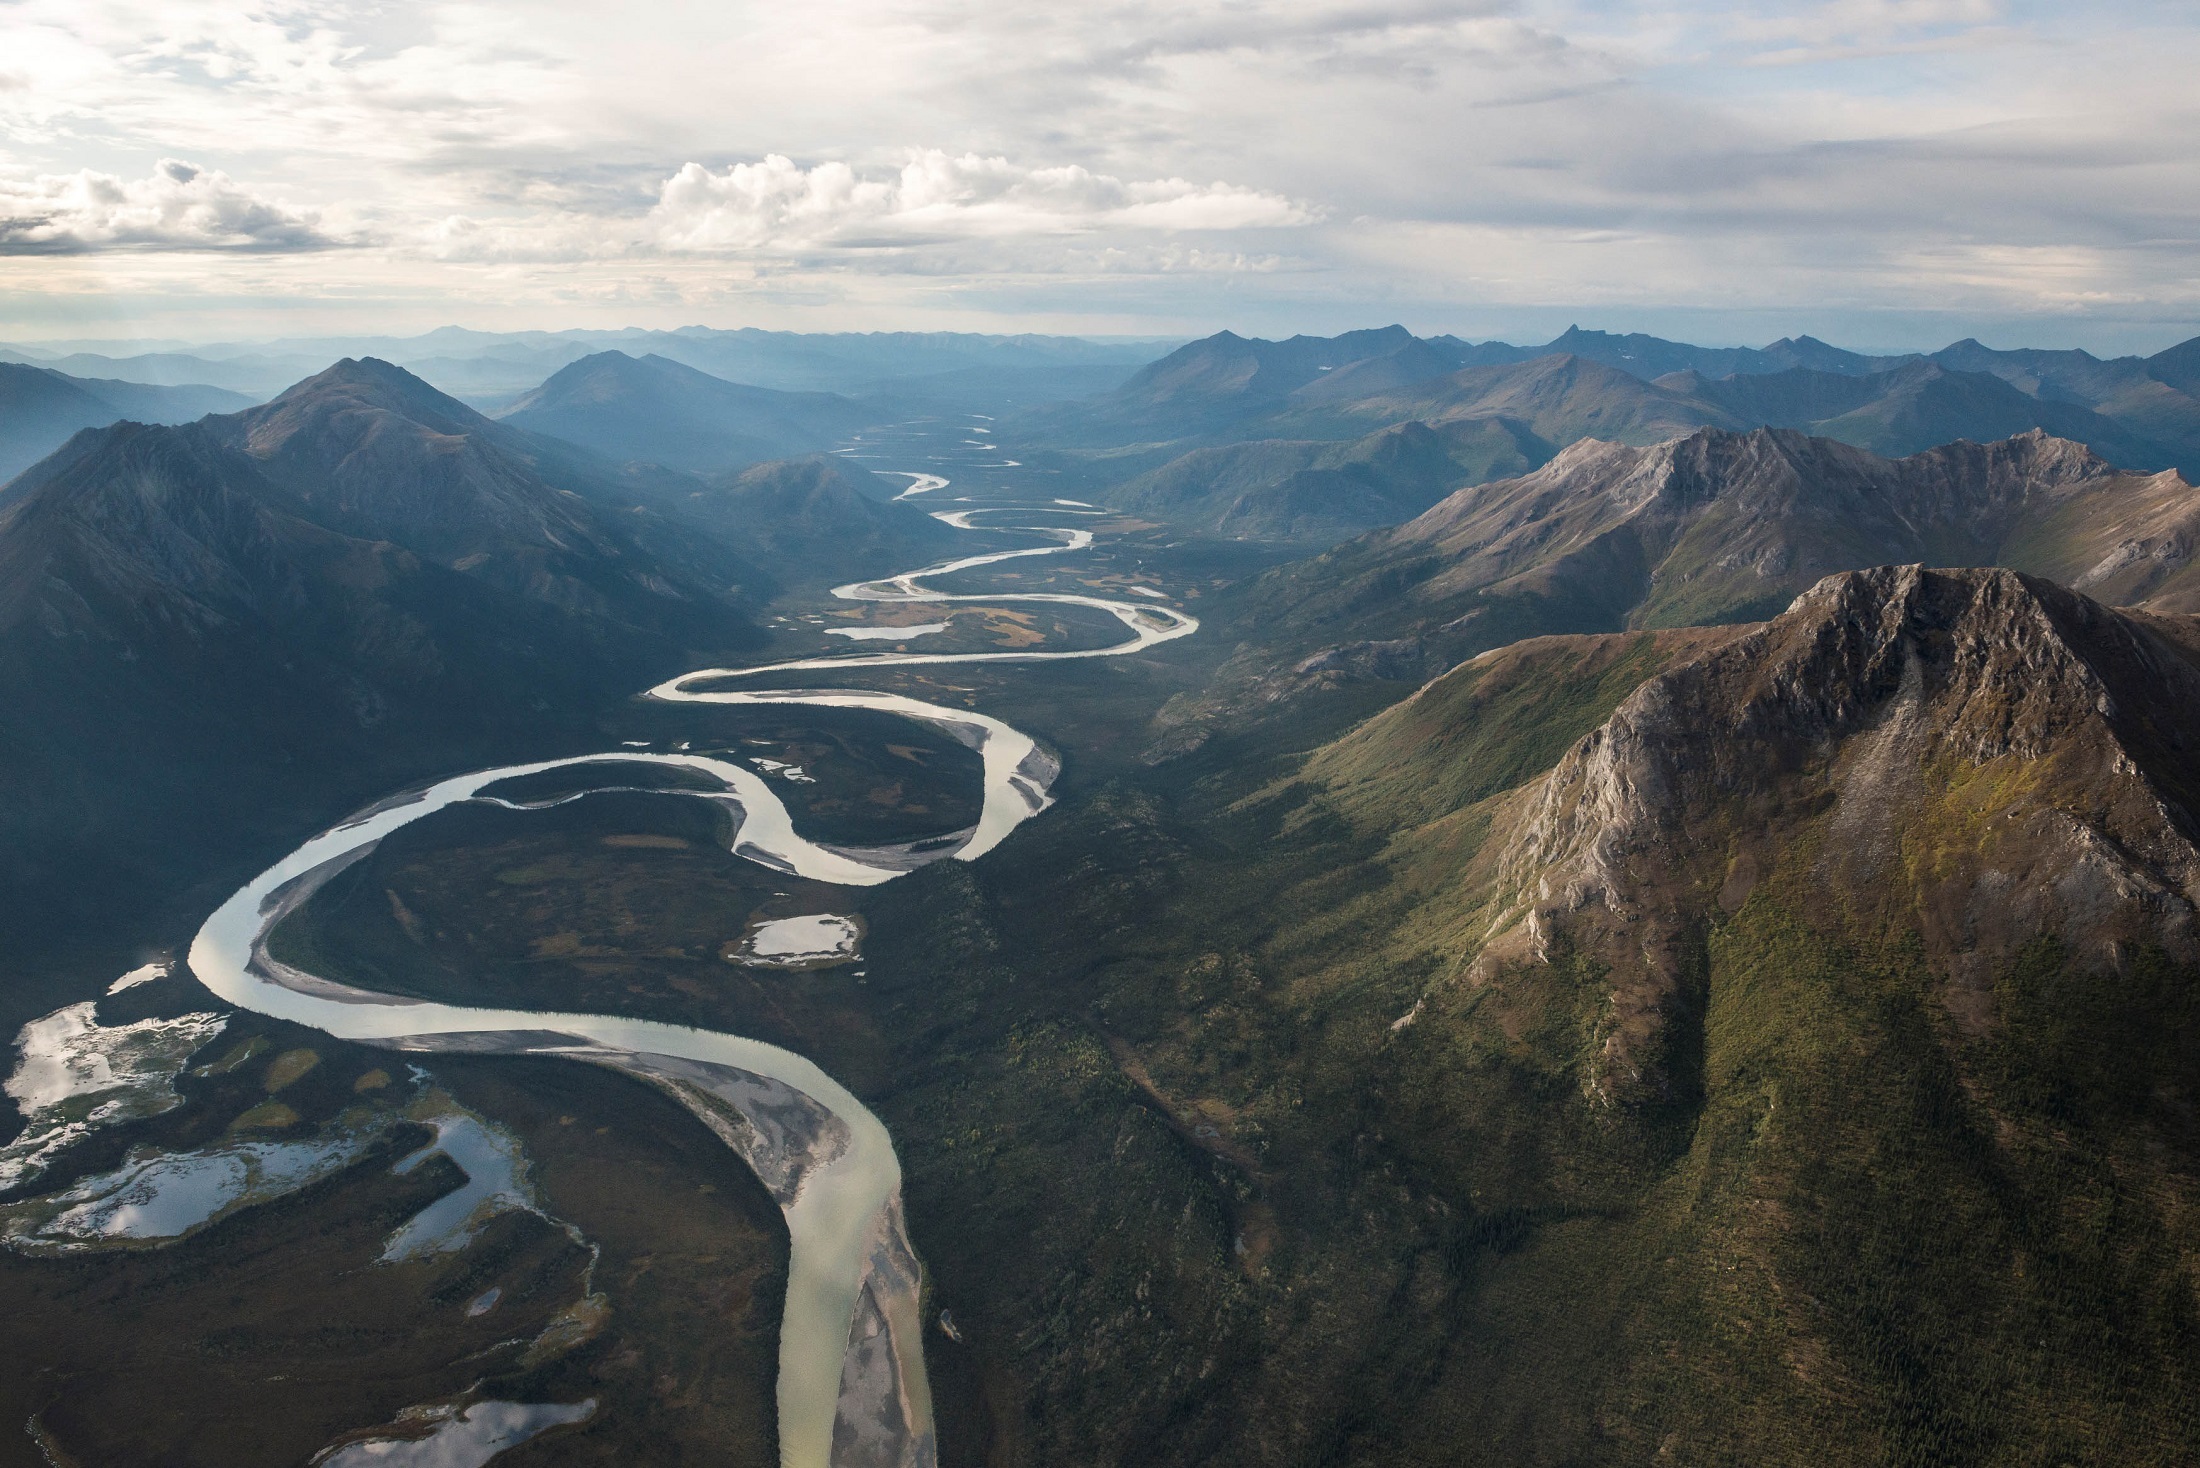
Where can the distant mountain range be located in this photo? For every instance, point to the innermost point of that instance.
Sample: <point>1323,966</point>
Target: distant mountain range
<point>493,369</point>
<point>40,408</point>
<point>2140,413</point>
<point>1716,527</point>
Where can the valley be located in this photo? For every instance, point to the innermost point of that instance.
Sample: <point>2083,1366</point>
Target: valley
<point>1327,950</point>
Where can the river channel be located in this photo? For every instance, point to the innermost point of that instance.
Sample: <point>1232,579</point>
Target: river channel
<point>852,1391</point>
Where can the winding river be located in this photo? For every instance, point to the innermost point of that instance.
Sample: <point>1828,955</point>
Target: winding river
<point>852,1391</point>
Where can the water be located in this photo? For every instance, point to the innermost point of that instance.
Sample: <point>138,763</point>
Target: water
<point>464,1438</point>
<point>847,1244</point>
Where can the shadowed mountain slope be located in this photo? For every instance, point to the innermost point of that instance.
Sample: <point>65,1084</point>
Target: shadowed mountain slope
<point>213,629</point>
<point>371,450</point>
<point>660,411</point>
<point>40,409</point>
<point>819,520</point>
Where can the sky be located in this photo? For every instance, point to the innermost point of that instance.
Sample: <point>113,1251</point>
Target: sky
<point>1886,174</point>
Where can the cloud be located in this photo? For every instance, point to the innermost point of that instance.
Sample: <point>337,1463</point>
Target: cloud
<point>776,204</point>
<point>1427,160</point>
<point>178,206</point>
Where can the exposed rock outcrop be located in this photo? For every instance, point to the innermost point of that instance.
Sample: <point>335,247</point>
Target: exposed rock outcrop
<point>1985,756</point>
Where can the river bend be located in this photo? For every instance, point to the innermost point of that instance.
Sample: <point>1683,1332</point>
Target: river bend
<point>852,1391</point>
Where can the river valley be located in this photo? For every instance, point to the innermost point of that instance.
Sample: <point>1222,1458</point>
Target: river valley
<point>852,1386</point>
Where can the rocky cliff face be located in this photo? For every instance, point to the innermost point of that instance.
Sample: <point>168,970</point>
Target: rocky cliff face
<point>1981,755</point>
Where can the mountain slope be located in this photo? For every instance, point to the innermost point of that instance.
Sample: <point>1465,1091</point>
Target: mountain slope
<point>659,411</point>
<point>40,409</point>
<point>214,631</point>
<point>1913,408</point>
<point>1884,914</point>
<point>373,451</point>
<point>1844,1114</point>
<point>820,520</point>
<point>1323,490</point>
<point>1715,527</point>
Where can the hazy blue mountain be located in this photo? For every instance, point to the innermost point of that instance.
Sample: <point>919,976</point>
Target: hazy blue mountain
<point>1557,398</point>
<point>1912,408</point>
<point>818,520</point>
<point>657,410</point>
<point>40,408</point>
<point>493,369</point>
<point>1652,356</point>
<point>1311,490</point>
<point>1213,388</point>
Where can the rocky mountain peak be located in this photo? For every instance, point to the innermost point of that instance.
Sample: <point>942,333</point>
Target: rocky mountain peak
<point>1980,750</point>
<point>355,397</point>
<point>381,454</point>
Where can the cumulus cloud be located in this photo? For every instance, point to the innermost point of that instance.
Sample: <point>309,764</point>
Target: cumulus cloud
<point>778,204</point>
<point>178,206</point>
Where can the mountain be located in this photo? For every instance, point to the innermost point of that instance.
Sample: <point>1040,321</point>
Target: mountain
<point>1225,380</point>
<point>1853,949</point>
<point>1284,490</point>
<point>214,631</point>
<point>1770,1044</point>
<point>372,451</point>
<point>1633,388</point>
<point>656,410</point>
<point>40,409</point>
<point>493,369</point>
<point>1558,399</point>
<point>1910,409</point>
<point>1714,527</point>
<point>820,519</point>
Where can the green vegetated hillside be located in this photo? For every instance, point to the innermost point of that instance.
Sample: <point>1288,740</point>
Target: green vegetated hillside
<point>1771,1045</point>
